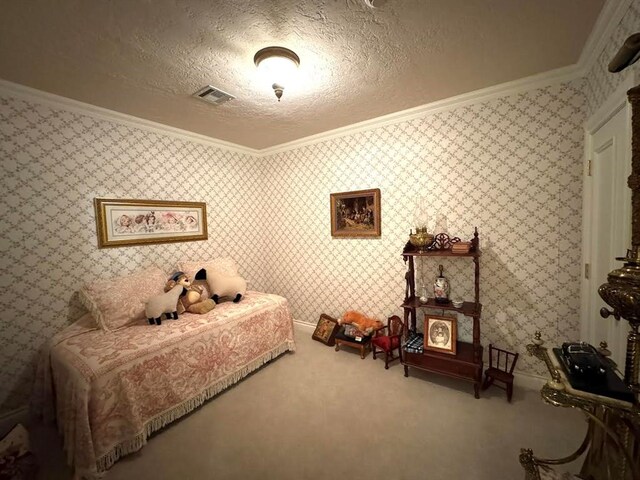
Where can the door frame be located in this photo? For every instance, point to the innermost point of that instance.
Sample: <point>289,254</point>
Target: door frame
<point>613,104</point>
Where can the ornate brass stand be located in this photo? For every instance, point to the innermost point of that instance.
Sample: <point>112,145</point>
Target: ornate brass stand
<point>612,441</point>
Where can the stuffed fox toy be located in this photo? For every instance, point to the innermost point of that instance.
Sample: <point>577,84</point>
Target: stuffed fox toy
<point>362,322</point>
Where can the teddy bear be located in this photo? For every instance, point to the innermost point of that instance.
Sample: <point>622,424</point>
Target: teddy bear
<point>191,299</point>
<point>365,324</point>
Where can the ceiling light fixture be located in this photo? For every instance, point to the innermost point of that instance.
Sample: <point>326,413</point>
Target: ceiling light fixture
<point>278,64</point>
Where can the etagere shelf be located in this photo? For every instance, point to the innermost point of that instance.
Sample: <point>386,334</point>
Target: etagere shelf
<point>467,362</point>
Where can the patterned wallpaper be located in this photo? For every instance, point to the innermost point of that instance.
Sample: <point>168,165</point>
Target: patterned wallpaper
<point>510,166</point>
<point>599,82</point>
<point>54,162</point>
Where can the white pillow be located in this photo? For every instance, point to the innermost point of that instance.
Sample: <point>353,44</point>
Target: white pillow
<point>116,302</point>
<point>224,265</point>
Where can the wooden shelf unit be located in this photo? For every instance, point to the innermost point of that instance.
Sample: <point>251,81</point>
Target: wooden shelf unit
<point>467,362</point>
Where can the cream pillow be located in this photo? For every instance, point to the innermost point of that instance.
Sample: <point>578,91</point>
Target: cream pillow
<point>224,265</point>
<point>116,302</point>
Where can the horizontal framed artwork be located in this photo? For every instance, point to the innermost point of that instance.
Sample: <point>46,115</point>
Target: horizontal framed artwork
<point>440,333</point>
<point>139,222</point>
<point>356,214</point>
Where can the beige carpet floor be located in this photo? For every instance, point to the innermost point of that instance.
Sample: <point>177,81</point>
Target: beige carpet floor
<point>321,414</point>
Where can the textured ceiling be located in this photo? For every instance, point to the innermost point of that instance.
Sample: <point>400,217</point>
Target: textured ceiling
<point>145,58</point>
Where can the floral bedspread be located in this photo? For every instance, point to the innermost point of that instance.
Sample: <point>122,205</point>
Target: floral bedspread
<point>109,391</point>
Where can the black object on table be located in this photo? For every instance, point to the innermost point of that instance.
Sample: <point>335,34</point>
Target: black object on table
<point>608,385</point>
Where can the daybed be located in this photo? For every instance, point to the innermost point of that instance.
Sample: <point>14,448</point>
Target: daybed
<point>109,390</point>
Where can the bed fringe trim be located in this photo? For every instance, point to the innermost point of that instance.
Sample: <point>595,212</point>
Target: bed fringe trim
<point>106,461</point>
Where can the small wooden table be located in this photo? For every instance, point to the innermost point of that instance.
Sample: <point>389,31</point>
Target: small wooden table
<point>364,345</point>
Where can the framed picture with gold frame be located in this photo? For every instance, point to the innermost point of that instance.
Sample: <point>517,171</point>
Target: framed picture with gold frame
<point>326,330</point>
<point>440,333</point>
<point>356,214</point>
<point>140,222</point>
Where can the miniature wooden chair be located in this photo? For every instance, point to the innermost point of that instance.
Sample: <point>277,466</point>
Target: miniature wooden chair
<point>390,342</point>
<point>501,365</point>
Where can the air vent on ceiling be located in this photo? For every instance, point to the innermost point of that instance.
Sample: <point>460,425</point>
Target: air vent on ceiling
<point>213,95</point>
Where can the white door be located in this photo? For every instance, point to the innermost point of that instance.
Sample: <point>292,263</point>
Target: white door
<point>609,148</point>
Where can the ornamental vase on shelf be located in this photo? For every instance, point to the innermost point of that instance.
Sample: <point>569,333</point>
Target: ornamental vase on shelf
<point>441,288</point>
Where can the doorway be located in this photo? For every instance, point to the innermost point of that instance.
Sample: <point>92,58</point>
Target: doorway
<point>607,218</point>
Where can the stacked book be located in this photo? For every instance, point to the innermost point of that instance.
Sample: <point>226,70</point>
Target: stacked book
<point>414,343</point>
<point>461,247</point>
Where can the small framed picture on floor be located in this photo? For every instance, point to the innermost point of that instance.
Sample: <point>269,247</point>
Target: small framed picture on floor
<point>326,330</point>
<point>440,333</point>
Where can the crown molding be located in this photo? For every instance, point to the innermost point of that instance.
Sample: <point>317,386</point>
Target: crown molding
<point>609,18</point>
<point>560,75</point>
<point>82,108</point>
<point>611,105</point>
<point>305,325</point>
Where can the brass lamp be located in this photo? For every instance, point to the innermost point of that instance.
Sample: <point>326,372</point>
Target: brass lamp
<point>421,239</point>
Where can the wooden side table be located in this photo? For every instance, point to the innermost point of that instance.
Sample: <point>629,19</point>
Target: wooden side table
<point>364,345</point>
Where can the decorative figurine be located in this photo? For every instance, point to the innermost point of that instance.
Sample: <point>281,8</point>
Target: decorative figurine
<point>441,288</point>
<point>424,296</point>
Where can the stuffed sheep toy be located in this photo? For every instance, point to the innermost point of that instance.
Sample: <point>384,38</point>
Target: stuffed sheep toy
<point>223,285</point>
<point>167,302</point>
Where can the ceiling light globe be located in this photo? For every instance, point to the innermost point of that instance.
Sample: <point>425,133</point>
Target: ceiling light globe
<point>278,66</point>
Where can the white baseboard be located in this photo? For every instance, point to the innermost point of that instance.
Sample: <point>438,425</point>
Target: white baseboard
<point>305,325</point>
<point>529,380</point>
<point>21,415</point>
<point>522,379</point>
<point>9,419</point>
